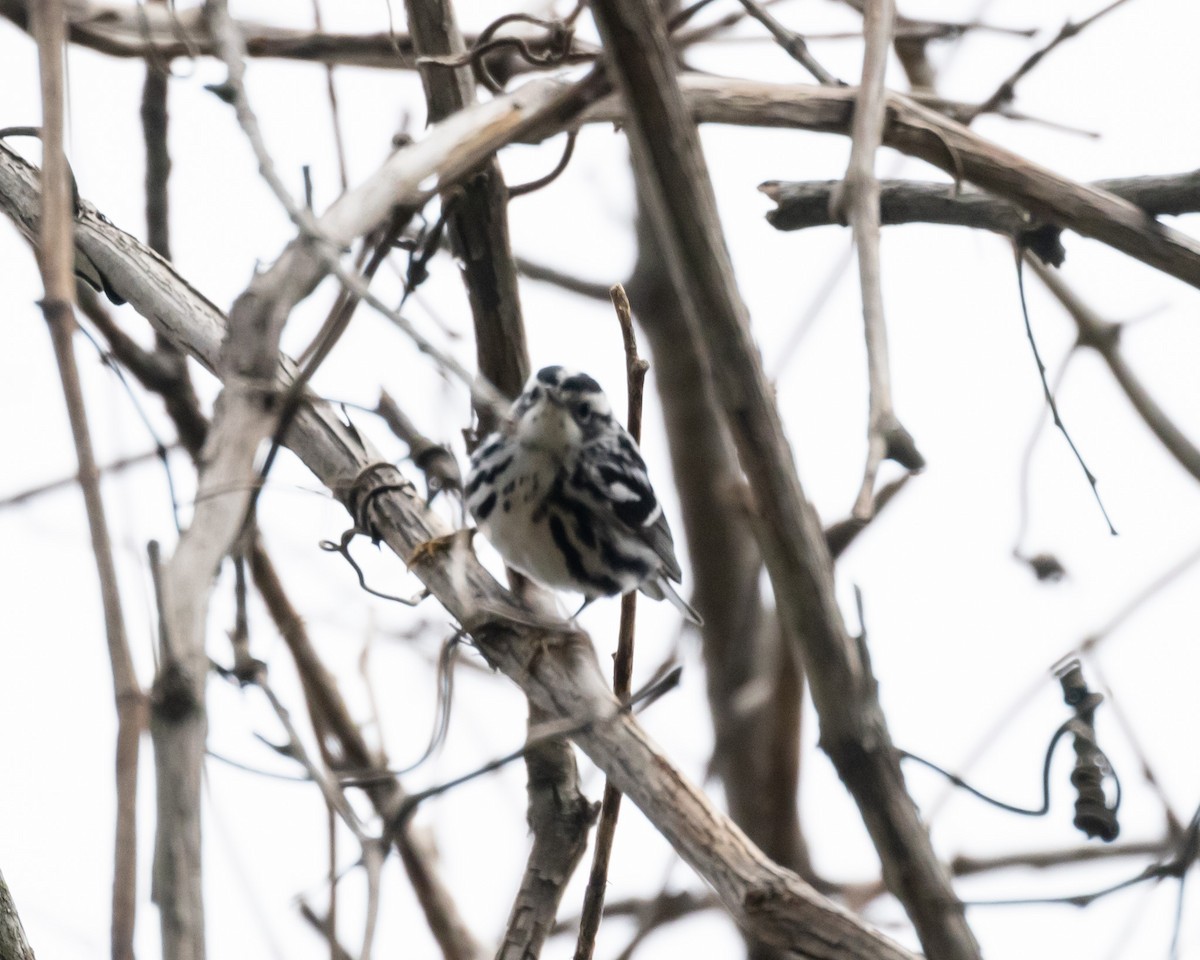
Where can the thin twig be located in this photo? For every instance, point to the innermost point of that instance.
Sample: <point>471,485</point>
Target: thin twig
<point>334,114</point>
<point>57,263</point>
<point>792,43</point>
<point>1052,403</point>
<point>53,486</point>
<point>856,200</point>
<point>1005,92</point>
<point>610,807</point>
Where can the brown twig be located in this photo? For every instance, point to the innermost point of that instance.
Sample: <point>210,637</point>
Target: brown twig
<point>57,263</point>
<point>334,114</point>
<point>432,459</point>
<point>610,807</point>
<point>325,927</point>
<point>1005,92</point>
<point>478,221</point>
<point>593,290</point>
<point>1104,337</point>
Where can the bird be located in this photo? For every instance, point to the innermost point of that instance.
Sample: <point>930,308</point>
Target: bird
<point>562,493</point>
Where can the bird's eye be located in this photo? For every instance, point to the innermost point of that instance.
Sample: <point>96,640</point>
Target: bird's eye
<point>583,410</point>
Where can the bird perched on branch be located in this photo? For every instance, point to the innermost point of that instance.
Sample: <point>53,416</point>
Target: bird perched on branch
<point>562,492</point>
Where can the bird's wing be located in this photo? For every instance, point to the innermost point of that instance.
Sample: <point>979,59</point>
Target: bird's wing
<point>616,476</point>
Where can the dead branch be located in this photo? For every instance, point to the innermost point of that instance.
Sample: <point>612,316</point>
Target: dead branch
<point>806,204</point>
<point>477,212</point>
<point>856,200</point>
<point>57,263</point>
<point>558,672</point>
<point>610,806</point>
<point>853,728</point>
<point>924,133</point>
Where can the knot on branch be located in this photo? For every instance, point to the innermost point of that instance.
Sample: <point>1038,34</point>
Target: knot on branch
<point>172,698</point>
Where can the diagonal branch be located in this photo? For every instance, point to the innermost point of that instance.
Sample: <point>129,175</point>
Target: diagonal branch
<point>557,671</point>
<point>853,729</point>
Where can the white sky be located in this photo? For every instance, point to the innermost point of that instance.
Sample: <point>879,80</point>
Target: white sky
<point>958,629</point>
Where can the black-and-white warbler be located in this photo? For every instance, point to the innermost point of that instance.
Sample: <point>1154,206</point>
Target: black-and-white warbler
<point>562,493</point>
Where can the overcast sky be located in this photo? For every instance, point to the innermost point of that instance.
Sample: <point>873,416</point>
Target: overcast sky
<point>959,631</point>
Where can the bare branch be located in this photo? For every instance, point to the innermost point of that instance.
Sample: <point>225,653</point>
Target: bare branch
<point>853,728</point>
<point>856,200</point>
<point>792,43</point>
<point>1104,337</point>
<point>558,672</point>
<point>924,133</point>
<point>806,204</point>
<point>331,716</point>
<point>57,262</point>
<point>477,214</point>
<point>1005,92</point>
<point>610,807</point>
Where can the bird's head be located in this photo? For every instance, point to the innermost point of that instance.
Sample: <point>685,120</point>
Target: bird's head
<point>560,410</point>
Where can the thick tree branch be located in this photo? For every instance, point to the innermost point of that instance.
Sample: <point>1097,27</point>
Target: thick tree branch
<point>752,674</point>
<point>803,204</point>
<point>557,671</point>
<point>926,134</point>
<point>477,211</point>
<point>853,728</point>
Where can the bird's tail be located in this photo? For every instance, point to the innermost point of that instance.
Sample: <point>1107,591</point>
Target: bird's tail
<point>662,588</point>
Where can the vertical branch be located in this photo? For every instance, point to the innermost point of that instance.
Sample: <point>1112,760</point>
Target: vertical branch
<point>857,200</point>
<point>610,807</point>
<point>559,817</point>
<point>335,115</point>
<point>57,260</point>
<point>558,813</point>
<point>478,220</point>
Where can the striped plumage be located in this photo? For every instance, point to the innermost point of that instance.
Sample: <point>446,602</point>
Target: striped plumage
<point>562,493</point>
